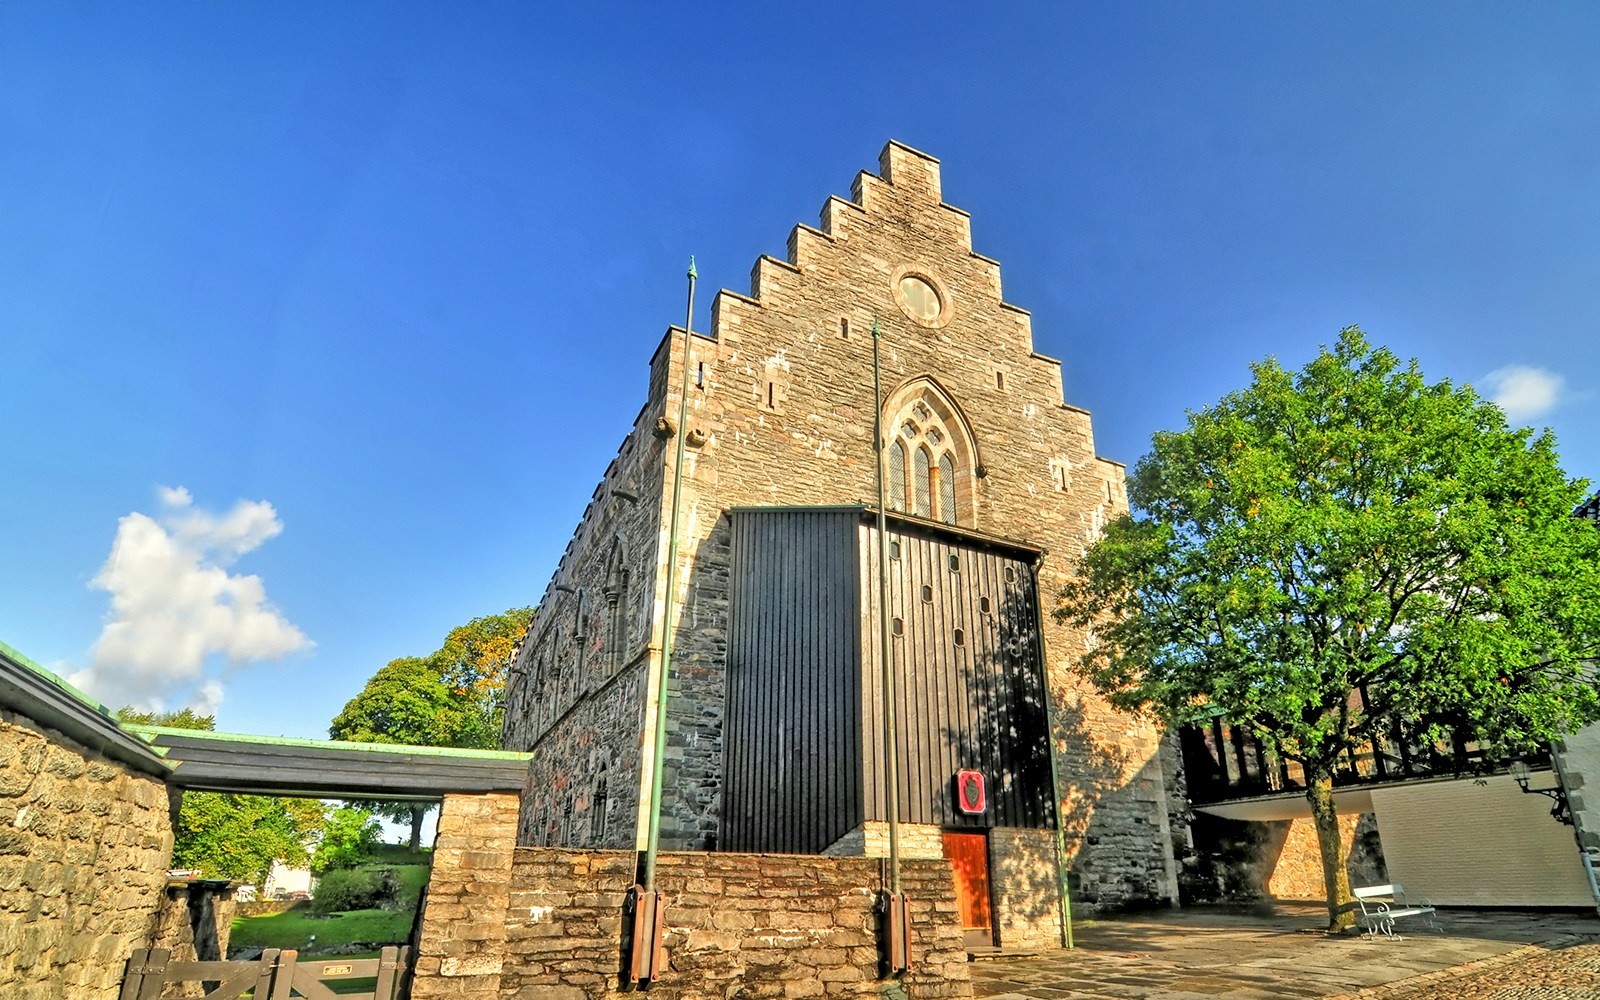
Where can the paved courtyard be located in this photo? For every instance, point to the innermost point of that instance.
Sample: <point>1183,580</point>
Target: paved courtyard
<point>1204,954</point>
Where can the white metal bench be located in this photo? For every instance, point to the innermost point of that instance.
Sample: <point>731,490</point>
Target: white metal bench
<point>1382,905</point>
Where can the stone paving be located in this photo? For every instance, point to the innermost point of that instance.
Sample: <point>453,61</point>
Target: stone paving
<point>1206,953</point>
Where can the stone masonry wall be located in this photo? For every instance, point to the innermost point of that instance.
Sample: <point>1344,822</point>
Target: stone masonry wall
<point>1027,900</point>
<point>194,923</point>
<point>786,409</point>
<point>1243,860</point>
<point>84,848</point>
<point>1298,872</point>
<point>743,925</point>
<point>461,948</point>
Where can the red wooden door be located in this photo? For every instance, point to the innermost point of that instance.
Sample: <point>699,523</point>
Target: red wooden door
<point>969,856</point>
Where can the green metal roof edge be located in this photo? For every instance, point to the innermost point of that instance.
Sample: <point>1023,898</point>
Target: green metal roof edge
<point>151,732</point>
<point>22,660</point>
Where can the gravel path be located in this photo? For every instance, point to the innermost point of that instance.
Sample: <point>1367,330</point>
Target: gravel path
<point>1564,969</point>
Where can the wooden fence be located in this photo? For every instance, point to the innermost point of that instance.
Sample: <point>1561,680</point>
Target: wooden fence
<point>276,975</point>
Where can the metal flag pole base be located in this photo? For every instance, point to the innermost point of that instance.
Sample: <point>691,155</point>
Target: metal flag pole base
<point>646,958</point>
<point>894,933</point>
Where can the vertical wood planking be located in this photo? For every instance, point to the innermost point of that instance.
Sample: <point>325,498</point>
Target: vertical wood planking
<point>805,750</point>
<point>794,678</point>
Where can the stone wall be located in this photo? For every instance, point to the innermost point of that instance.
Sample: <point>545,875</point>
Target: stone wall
<point>194,922</point>
<point>1237,860</point>
<point>738,924</point>
<point>1298,873</point>
<point>461,947</point>
<point>84,847</point>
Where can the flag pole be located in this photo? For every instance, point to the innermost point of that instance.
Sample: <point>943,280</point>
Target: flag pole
<point>897,927</point>
<point>649,919</point>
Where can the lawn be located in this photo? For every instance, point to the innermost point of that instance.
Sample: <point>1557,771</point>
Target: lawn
<point>295,928</point>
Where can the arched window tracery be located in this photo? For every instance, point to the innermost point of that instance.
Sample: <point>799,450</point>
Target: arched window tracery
<point>932,459</point>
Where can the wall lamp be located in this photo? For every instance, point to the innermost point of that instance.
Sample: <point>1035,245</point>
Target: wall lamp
<point>1561,811</point>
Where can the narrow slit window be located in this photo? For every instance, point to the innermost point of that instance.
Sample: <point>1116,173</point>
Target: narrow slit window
<point>897,477</point>
<point>984,607</point>
<point>1000,380</point>
<point>772,390</point>
<point>700,376</point>
<point>922,499</point>
<point>927,594</point>
<point>945,478</point>
<point>960,637</point>
<point>844,328</point>
<point>898,627</point>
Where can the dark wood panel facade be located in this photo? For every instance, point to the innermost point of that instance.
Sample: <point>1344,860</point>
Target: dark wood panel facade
<point>964,635</point>
<point>804,747</point>
<point>792,746</point>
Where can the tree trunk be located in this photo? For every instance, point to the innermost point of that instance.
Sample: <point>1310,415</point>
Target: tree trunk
<point>1335,873</point>
<point>417,812</point>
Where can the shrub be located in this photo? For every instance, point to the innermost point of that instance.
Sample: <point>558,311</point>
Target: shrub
<point>357,889</point>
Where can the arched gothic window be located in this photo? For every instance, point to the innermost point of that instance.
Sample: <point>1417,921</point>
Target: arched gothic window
<point>932,458</point>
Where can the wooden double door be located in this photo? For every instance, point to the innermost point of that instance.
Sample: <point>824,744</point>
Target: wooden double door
<point>968,853</point>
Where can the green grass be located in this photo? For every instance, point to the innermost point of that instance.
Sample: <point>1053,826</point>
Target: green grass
<point>412,876</point>
<point>294,929</point>
<point>399,854</point>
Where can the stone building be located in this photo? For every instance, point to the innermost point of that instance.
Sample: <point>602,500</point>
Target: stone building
<point>773,737</point>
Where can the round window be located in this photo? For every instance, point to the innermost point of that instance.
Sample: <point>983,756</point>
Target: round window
<point>920,298</point>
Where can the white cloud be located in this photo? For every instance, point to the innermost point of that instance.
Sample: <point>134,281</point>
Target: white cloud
<point>1524,392</point>
<point>174,605</point>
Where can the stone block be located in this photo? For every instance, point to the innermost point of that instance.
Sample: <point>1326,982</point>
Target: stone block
<point>471,965</point>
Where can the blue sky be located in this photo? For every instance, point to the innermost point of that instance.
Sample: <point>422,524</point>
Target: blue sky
<point>329,317</point>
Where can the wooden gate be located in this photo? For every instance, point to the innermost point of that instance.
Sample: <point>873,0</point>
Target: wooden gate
<point>276,975</point>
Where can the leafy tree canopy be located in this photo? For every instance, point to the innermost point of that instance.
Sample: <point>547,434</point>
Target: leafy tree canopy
<point>451,698</point>
<point>1348,526</point>
<point>406,701</point>
<point>184,718</point>
<point>240,836</point>
<point>349,837</point>
<point>474,661</point>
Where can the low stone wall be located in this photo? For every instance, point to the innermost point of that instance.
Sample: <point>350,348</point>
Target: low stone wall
<point>1027,887</point>
<point>1237,860</point>
<point>747,925</point>
<point>84,845</point>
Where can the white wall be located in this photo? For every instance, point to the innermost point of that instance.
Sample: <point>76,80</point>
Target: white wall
<point>1480,844</point>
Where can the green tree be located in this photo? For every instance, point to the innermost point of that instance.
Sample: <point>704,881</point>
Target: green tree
<point>406,701</point>
<point>234,836</point>
<point>349,837</point>
<point>184,718</point>
<point>1347,527</point>
<point>240,836</point>
<point>474,661</point>
<point>454,697</point>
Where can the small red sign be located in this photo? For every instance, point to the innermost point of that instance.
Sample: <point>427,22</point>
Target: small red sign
<point>970,796</point>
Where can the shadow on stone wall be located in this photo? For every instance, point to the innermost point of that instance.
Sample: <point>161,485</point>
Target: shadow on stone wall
<point>1244,860</point>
